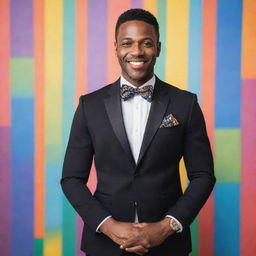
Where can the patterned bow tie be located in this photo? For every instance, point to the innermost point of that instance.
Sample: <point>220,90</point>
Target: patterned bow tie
<point>128,92</point>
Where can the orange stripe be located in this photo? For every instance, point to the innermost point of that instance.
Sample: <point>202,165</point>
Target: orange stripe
<point>249,40</point>
<point>151,6</point>
<point>208,64</point>
<point>114,10</point>
<point>206,228</point>
<point>5,107</point>
<point>81,48</point>
<point>39,118</point>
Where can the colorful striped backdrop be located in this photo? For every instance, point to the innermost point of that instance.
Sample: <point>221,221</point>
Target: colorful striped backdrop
<point>52,51</point>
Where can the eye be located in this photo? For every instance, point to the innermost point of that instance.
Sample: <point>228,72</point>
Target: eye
<point>126,44</point>
<point>147,44</point>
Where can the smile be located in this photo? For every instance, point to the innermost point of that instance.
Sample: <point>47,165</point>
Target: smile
<point>137,64</point>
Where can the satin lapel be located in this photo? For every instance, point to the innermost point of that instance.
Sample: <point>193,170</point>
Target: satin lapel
<point>114,111</point>
<point>156,115</point>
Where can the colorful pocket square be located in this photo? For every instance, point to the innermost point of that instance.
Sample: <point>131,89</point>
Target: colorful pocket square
<point>169,121</point>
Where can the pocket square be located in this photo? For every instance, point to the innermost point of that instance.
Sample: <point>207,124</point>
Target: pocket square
<point>169,121</point>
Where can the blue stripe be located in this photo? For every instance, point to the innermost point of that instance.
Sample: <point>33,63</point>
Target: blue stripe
<point>69,82</point>
<point>22,132</point>
<point>53,211</point>
<point>161,16</point>
<point>195,47</point>
<point>228,81</point>
<point>227,219</point>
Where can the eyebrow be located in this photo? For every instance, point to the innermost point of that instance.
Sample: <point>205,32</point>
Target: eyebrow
<point>129,38</point>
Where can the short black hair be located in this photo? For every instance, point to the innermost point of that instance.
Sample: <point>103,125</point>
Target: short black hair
<point>138,14</point>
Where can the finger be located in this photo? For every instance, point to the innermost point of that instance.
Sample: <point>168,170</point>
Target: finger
<point>137,249</point>
<point>129,243</point>
<point>135,242</point>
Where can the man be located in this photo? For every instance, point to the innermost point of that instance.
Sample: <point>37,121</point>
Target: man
<point>137,129</point>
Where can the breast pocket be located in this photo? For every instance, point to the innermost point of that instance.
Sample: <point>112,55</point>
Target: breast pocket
<point>170,130</point>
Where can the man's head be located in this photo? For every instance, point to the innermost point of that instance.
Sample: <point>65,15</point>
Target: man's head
<point>138,14</point>
<point>137,45</point>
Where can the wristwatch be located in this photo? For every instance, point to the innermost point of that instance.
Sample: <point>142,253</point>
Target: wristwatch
<point>174,225</point>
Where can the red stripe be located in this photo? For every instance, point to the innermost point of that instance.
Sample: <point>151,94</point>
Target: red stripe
<point>248,176</point>
<point>209,16</point>
<point>114,10</point>
<point>81,80</point>
<point>5,63</point>
<point>81,48</point>
<point>39,119</point>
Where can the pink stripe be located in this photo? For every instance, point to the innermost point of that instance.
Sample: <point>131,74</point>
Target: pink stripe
<point>248,176</point>
<point>5,63</point>
<point>92,186</point>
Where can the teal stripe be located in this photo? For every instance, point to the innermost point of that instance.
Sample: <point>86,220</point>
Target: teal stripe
<point>38,247</point>
<point>195,47</point>
<point>160,65</point>
<point>227,217</point>
<point>194,233</point>
<point>69,85</point>
<point>53,195</point>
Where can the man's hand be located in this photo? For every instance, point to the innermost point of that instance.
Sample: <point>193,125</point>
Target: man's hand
<point>120,232</point>
<point>148,235</point>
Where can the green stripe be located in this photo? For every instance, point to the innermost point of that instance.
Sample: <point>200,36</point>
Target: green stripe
<point>69,216</point>
<point>228,155</point>
<point>194,233</point>
<point>160,64</point>
<point>22,77</point>
<point>38,247</point>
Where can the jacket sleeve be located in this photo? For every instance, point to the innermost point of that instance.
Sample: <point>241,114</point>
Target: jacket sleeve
<point>199,166</point>
<point>76,170</point>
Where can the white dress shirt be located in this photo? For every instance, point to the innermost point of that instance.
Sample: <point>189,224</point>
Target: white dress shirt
<point>135,115</point>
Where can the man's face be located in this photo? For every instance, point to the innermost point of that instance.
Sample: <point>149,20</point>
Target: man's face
<point>137,49</point>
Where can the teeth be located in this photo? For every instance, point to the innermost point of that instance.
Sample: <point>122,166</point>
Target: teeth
<point>136,63</point>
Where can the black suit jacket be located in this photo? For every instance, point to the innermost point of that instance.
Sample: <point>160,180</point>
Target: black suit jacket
<point>154,183</point>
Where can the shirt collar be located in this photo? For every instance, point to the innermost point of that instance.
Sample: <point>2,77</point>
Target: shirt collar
<point>151,81</point>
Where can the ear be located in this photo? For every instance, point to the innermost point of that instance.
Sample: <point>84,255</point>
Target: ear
<point>158,49</point>
<point>115,45</point>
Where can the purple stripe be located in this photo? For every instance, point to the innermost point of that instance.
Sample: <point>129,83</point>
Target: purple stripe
<point>97,44</point>
<point>22,28</point>
<point>5,191</point>
<point>136,3</point>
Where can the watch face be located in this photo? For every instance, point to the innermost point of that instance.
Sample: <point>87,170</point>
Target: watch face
<point>174,225</point>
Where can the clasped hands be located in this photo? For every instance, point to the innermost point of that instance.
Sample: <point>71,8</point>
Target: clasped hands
<point>137,237</point>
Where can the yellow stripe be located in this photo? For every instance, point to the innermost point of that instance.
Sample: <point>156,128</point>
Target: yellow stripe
<point>177,32</point>
<point>151,6</point>
<point>53,77</point>
<point>53,104</point>
<point>52,243</point>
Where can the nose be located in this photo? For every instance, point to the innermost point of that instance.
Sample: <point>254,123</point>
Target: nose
<point>137,50</point>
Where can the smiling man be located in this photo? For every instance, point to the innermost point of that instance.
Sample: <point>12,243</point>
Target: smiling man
<point>137,129</point>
